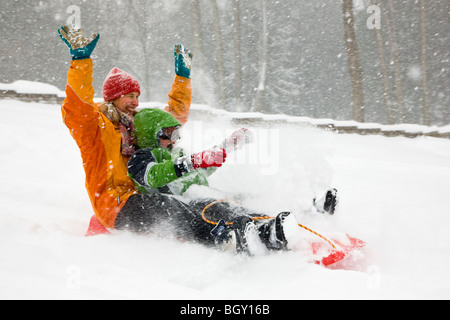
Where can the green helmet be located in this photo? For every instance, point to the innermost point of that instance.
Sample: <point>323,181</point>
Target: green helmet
<point>147,124</point>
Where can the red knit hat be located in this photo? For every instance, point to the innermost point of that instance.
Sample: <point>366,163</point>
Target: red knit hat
<point>119,83</point>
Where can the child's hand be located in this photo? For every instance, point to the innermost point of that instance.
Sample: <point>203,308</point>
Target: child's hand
<point>238,139</point>
<point>214,157</point>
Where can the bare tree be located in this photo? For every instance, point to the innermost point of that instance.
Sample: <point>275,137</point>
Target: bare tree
<point>259,101</point>
<point>219,53</point>
<point>423,32</point>
<point>237,52</point>
<point>354,63</point>
<point>384,75</point>
<point>198,34</point>
<point>140,11</point>
<point>395,57</point>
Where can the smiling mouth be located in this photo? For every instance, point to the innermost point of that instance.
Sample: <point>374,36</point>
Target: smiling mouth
<point>131,108</point>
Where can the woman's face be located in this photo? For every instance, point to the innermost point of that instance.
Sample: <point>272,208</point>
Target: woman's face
<point>127,103</point>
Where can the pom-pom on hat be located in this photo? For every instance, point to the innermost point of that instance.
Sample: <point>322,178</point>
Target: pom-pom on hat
<point>119,83</point>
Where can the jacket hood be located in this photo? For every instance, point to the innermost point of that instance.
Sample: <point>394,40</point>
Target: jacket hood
<point>147,124</point>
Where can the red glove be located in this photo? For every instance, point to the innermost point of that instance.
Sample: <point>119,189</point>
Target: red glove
<point>209,158</point>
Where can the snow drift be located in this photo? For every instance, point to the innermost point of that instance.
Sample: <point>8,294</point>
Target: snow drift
<point>393,195</point>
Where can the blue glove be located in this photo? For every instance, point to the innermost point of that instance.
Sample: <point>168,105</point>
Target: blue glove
<point>80,46</point>
<point>183,60</point>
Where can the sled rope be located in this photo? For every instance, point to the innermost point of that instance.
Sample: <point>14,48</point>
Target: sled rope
<point>259,218</point>
<point>209,206</point>
<point>318,234</point>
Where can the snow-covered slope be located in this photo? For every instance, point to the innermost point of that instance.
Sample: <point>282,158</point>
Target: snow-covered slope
<point>393,191</point>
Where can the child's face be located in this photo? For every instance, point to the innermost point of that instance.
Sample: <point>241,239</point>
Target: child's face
<point>168,137</point>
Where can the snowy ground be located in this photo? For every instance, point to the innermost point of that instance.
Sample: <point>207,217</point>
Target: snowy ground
<point>393,191</point>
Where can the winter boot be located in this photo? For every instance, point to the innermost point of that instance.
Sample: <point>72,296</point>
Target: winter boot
<point>241,237</point>
<point>224,236</point>
<point>328,203</point>
<point>280,233</point>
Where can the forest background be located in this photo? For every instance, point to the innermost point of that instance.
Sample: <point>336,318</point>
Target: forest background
<point>365,60</point>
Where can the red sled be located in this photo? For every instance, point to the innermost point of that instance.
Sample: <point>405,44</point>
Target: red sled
<point>326,256</point>
<point>95,228</point>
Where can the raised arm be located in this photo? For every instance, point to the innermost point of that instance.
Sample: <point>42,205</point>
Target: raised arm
<point>181,94</point>
<point>78,111</point>
<point>79,77</point>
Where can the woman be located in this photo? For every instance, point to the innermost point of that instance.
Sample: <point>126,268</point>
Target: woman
<point>104,132</point>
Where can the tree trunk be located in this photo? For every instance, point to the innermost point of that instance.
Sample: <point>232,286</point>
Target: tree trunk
<point>141,12</point>
<point>423,31</point>
<point>354,63</point>
<point>259,102</point>
<point>395,60</point>
<point>198,36</point>
<point>385,75</point>
<point>237,53</point>
<point>219,55</point>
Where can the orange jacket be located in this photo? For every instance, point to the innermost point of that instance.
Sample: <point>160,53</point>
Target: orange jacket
<point>107,181</point>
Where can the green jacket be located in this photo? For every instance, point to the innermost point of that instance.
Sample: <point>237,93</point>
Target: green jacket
<point>156,169</point>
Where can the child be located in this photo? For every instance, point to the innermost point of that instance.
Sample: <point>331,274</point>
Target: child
<point>165,173</point>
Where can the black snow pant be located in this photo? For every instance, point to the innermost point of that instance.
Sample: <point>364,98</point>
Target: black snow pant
<point>164,213</point>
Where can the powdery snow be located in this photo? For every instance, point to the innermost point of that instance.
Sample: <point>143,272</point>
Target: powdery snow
<point>393,192</point>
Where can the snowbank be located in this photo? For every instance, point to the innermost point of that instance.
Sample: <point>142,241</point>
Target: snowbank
<point>32,87</point>
<point>30,91</point>
<point>393,193</point>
